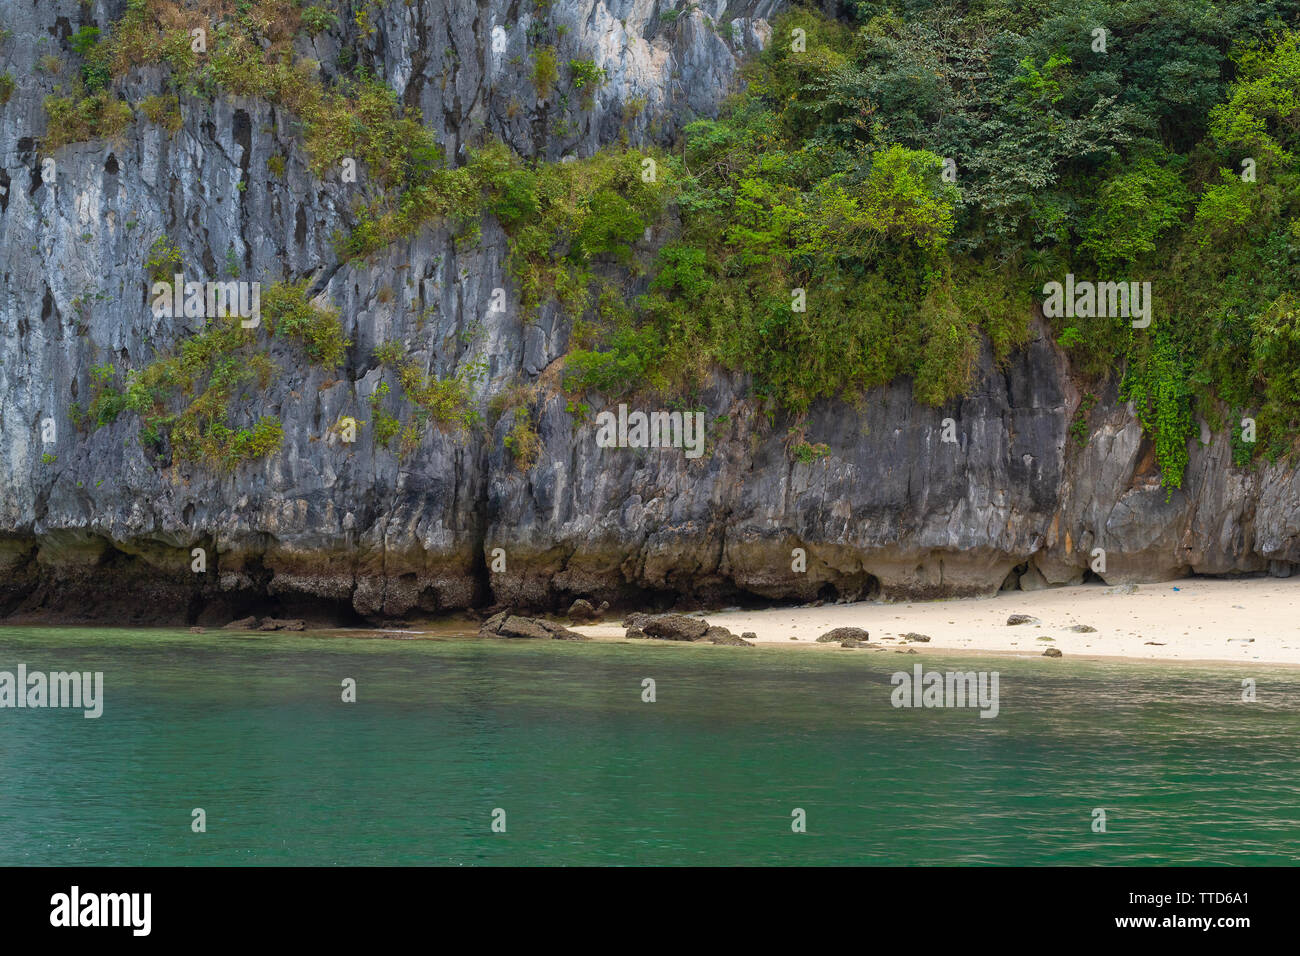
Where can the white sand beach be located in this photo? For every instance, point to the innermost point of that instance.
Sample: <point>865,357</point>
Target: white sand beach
<point>1196,619</point>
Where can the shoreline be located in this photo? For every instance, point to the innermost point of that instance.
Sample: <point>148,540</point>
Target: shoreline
<point>1252,620</point>
<point>1190,620</point>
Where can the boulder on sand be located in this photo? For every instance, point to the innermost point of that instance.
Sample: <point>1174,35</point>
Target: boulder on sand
<point>522,627</point>
<point>516,626</point>
<point>281,624</point>
<point>583,610</point>
<point>676,627</point>
<point>720,635</point>
<point>841,634</point>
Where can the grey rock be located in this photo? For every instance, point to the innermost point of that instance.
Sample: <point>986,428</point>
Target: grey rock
<point>911,636</point>
<point>1082,629</point>
<point>1052,652</point>
<point>1015,619</point>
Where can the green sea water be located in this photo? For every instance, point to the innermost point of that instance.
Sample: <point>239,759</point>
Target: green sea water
<point>252,729</point>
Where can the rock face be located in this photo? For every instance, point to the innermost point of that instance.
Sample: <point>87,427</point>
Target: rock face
<point>92,529</point>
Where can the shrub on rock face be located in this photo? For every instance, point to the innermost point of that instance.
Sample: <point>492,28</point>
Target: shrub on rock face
<point>842,634</point>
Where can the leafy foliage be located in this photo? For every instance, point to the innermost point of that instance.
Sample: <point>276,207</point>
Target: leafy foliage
<point>884,201</point>
<point>289,312</point>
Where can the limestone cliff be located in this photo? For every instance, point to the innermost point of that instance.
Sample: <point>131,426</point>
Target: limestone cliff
<point>91,526</point>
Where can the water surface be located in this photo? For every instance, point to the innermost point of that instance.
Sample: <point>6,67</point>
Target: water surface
<point>252,728</point>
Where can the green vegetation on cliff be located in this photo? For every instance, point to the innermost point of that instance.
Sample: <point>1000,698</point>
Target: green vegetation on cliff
<point>1122,164</point>
<point>891,190</point>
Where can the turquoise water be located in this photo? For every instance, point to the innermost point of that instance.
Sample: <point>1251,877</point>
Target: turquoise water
<point>251,728</point>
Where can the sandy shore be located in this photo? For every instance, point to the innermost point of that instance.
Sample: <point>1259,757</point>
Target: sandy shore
<point>1199,619</point>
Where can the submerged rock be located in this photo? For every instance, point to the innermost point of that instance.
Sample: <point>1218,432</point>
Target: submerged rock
<point>243,624</point>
